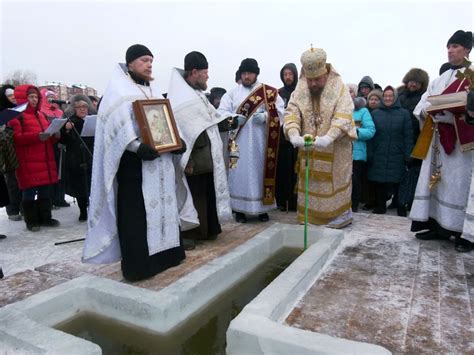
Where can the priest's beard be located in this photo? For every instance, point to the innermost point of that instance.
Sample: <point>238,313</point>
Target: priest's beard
<point>248,83</point>
<point>316,92</point>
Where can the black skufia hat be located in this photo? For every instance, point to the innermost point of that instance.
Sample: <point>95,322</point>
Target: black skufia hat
<point>195,60</point>
<point>249,65</point>
<point>136,51</point>
<point>463,38</point>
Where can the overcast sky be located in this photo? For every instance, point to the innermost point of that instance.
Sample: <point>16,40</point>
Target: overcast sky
<point>79,42</point>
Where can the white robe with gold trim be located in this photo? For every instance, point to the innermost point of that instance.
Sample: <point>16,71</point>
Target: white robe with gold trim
<point>246,180</point>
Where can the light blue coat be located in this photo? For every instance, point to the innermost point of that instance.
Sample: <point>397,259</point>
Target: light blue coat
<point>365,131</point>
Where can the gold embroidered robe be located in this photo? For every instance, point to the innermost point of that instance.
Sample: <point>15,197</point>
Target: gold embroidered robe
<point>330,168</point>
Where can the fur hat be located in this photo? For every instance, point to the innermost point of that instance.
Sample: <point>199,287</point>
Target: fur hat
<point>249,65</point>
<point>463,38</point>
<point>76,98</point>
<point>195,60</point>
<point>136,51</point>
<point>418,75</point>
<point>375,92</point>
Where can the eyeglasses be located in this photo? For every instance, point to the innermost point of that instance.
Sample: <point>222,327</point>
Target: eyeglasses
<point>83,107</point>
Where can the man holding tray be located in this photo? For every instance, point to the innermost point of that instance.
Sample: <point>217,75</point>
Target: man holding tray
<point>442,192</point>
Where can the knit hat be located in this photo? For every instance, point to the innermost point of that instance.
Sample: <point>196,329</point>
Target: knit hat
<point>463,38</point>
<point>136,51</point>
<point>249,65</point>
<point>195,60</point>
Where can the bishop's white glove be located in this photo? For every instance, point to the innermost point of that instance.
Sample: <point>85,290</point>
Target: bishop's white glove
<point>297,141</point>
<point>260,117</point>
<point>323,142</point>
<point>445,117</point>
<point>241,119</point>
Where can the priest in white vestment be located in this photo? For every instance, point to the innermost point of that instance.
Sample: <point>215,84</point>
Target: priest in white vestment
<point>247,182</point>
<point>203,163</point>
<point>134,215</point>
<point>439,212</point>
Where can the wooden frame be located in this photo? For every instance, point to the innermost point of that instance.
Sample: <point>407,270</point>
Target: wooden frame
<point>157,124</point>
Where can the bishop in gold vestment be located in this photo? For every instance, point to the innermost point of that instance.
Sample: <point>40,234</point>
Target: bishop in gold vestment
<point>322,106</point>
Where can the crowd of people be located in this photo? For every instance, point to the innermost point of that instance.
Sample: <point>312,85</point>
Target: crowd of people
<point>145,207</point>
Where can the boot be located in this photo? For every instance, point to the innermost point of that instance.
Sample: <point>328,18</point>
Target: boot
<point>463,245</point>
<point>240,217</point>
<point>44,212</point>
<point>82,203</point>
<point>30,214</point>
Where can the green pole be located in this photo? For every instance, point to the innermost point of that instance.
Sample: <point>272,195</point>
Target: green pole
<point>308,141</point>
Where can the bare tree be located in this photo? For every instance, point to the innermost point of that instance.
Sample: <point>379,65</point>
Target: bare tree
<point>20,77</point>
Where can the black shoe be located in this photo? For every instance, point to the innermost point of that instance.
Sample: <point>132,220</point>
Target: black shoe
<point>428,235</point>
<point>50,223</point>
<point>1,273</point>
<point>2,236</point>
<point>379,210</point>
<point>189,244</point>
<point>463,245</point>
<point>83,217</point>
<point>263,217</point>
<point>355,208</point>
<point>368,207</point>
<point>240,217</point>
<point>402,211</point>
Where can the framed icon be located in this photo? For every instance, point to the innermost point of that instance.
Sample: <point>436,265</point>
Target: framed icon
<point>157,124</point>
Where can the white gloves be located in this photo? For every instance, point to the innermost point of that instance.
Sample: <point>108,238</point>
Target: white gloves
<point>297,141</point>
<point>445,117</point>
<point>240,119</point>
<point>323,142</point>
<point>260,117</point>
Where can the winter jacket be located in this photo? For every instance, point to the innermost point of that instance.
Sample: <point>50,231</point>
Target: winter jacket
<point>37,166</point>
<point>365,131</point>
<point>78,159</point>
<point>392,144</point>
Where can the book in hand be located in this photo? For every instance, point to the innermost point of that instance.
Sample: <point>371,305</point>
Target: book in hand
<point>55,125</point>
<point>455,103</point>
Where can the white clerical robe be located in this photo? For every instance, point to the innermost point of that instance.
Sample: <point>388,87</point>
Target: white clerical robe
<point>246,180</point>
<point>446,203</point>
<point>116,129</point>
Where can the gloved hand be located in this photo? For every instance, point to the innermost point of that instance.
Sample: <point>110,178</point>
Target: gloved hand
<point>145,152</point>
<point>445,117</point>
<point>323,142</point>
<point>297,141</point>
<point>240,119</point>
<point>260,117</point>
<point>182,150</point>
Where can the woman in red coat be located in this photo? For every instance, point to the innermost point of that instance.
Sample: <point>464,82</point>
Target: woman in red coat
<point>37,167</point>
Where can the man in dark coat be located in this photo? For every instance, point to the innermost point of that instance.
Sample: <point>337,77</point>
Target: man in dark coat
<point>415,84</point>
<point>287,155</point>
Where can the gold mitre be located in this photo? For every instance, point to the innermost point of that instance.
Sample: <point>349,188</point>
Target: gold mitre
<point>314,62</point>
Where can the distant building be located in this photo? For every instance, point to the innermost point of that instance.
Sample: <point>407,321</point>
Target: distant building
<point>65,92</point>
